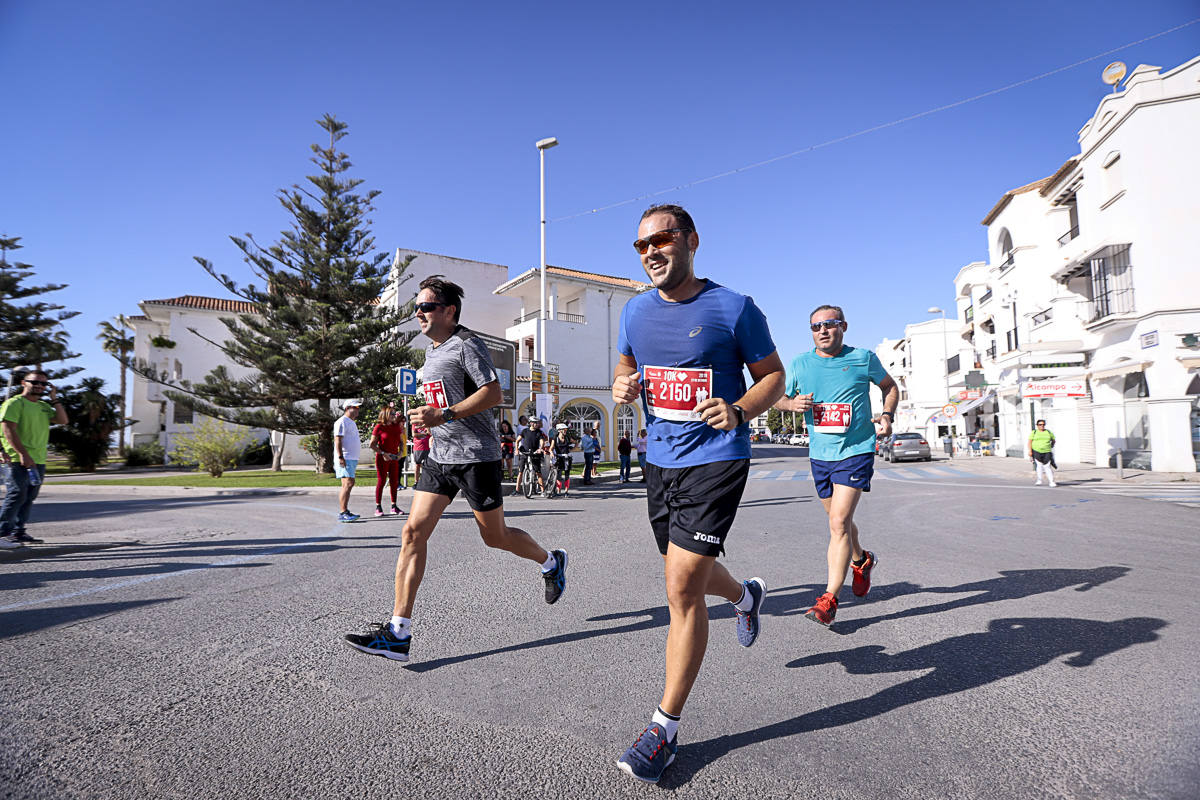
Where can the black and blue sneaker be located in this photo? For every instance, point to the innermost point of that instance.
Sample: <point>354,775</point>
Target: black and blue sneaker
<point>556,579</point>
<point>748,623</point>
<point>380,641</point>
<point>649,755</point>
<point>347,516</point>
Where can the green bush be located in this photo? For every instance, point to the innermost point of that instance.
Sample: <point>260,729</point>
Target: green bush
<point>257,452</point>
<point>145,455</point>
<point>210,446</point>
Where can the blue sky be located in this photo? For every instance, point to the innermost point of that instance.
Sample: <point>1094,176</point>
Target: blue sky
<point>138,135</point>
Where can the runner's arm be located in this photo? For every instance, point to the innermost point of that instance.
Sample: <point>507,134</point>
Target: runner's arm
<point>627,381</point>
<point>768,379</point>
<point>891,399</point>
<point>485,397</point>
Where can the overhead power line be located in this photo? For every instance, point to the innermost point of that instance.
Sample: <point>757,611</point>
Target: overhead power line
<point>875,128</point>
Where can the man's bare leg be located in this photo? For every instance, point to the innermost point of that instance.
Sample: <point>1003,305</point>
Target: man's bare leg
<point>344,493</point>
<point>423,517</point>
<point>513,540</point>
<point>688,579</point>
<point>843,534</point>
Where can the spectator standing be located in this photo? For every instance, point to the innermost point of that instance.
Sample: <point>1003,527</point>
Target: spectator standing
<point>624,450</point>
<point>346,448</point>
<point>641,453</point>
<point>388,443</point>
<point>26,419</point>
<point>1041,451</point>
<point>597,452</point>
<point>530,444</point>
<point>562,447</point>
<point>588,445</point>
<point>420,450</point>
<point>508,439</point>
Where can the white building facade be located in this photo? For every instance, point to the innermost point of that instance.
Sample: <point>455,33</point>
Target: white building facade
<point>1087,313</point>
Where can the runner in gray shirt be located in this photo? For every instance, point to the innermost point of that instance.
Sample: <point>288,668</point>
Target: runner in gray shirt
<point>460,388</point>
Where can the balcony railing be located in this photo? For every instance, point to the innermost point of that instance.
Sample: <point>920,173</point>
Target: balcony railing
<point>561,316</point>
<point>983,298</point>
<point>991,352</point>
<point>1068,236</point>
<point>1008,262</point>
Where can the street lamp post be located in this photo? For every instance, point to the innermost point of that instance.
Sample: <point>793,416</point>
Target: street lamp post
<point>945,353</point>
<point>543,145</point>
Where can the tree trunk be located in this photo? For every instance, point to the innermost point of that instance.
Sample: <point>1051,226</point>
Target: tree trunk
<point>325,451</point>
<point>121,431</point>
<point>277,454</point>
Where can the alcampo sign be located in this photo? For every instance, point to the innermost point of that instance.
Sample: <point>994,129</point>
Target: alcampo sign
<point>1071,388</point>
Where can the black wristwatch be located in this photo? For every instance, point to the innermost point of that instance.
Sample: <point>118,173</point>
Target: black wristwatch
<point>741,412</point>
<point>891,417</point>
<point>447,414</point>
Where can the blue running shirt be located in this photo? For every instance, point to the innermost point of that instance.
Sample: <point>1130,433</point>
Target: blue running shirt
<point>842,387</point>
<point>718,330</point>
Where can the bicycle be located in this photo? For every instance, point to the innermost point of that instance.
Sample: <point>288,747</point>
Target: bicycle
<point>558,481</point>
<point>529,476</point>
<point>551,486</point>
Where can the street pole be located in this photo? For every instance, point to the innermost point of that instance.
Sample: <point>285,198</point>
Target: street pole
<point>543,145</point>
<point>945,358</point>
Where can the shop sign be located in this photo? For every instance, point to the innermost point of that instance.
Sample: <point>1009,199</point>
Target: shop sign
<point>1061,388</point>
<point>970,394</point>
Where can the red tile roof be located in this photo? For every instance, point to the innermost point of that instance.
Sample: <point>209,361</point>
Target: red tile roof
<point>596,276</point>
<point>207,303</point>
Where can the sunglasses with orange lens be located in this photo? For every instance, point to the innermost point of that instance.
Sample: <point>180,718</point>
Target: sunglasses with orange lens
<point>659,239</point>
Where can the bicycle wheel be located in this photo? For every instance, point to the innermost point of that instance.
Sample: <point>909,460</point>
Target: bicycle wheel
<point>529,480</point>
<point>551,480</point>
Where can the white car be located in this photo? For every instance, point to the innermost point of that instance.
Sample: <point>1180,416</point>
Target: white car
<point>799,440</point>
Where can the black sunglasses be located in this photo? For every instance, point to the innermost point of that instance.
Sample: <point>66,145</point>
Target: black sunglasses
<point>659,239</point>
<point>828,324</point>
<point>425,308</point>
<point>37,383</point>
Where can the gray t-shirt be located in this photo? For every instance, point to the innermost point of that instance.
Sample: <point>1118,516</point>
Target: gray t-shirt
<point>455,370</point>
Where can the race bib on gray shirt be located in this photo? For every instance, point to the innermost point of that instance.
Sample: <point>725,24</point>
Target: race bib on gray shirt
<point>454,370</point>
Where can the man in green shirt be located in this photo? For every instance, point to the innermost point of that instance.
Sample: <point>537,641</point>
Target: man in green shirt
<point>26,420</point>
<point>1041,446</point>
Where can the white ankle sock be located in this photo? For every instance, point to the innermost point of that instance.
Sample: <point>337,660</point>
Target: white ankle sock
<point>670,723</point>
<point>746,601</point>
<point>550,563</point>
<point>401,627</point>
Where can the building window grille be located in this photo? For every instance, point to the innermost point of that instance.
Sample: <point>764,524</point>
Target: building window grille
<point>626,420</point>
<point>1111,283</point>
<point>991,351</point>
<point>969,314</point>
<point>182,415</point>
<point>1010,340</point>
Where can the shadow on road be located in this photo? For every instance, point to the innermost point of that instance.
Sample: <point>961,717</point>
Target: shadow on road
<point>1011,585</point>
<point>28,620</point>
<point>1009,647</point>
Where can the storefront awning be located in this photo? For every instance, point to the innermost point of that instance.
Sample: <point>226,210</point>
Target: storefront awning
<point>1117,370</point>
<point>1190,362</point>
<point>972,404</point>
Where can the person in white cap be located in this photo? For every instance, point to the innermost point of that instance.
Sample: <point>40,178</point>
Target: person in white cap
<point>346,448</point>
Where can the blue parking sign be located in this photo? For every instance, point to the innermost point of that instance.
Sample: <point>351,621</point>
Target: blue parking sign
<point>406,381</point>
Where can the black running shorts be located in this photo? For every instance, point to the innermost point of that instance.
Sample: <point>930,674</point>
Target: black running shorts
<point>419,456</point>
<point>479,483</point>
<point>694,507</point>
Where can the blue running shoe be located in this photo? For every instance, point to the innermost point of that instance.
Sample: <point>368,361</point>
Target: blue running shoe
<point>556,579</point>
<point>380,641</point>
<point>748,623</point>
<point>649,755</point>
<point>346,516</point>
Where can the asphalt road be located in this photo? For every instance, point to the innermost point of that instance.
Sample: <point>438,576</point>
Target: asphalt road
<point>1019,642</point>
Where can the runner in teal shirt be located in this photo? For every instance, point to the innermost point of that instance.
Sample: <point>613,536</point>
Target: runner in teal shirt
<point>841,380</point>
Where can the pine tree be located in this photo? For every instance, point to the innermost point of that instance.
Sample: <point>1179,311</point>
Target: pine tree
<point>319,333</point>
<point>31,334</point>
<point>118,343</point>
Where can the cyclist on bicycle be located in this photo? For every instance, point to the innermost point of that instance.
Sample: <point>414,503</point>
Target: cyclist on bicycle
<point>562,457</point>
<point>529,448</point>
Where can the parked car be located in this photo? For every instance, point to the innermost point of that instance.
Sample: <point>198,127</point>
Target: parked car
<point>799,440</point>
<point>906,447</point>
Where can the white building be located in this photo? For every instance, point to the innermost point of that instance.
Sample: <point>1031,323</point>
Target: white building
<point>1087,312</point>
<point>581,331</point>
<point>929,366</point>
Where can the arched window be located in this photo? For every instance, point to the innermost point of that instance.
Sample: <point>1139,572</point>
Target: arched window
<point>582,417</point>
<point>1004,244</point>
<point>626,422</point>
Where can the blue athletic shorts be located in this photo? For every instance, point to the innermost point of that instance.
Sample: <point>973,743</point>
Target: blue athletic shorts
<point>855,472</point>
<point>347,471</point>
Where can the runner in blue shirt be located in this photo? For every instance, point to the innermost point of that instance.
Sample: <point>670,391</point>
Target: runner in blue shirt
<point>682,350</point>
<point>831,385</point>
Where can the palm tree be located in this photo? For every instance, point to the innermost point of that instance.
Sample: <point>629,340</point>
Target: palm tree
<point>118,343</point>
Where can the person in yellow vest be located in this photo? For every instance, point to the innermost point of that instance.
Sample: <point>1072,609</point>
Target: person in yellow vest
<point>26,420</point>
<point>1041,447</point>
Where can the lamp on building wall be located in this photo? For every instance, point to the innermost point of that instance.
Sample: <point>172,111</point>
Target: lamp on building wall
<point>543,145</point>
<point>945,354</point>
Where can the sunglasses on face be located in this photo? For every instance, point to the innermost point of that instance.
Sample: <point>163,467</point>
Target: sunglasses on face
<point>425,308</point>
<point>660,239</point>
<point>827,324</point>
<point>38,383</point>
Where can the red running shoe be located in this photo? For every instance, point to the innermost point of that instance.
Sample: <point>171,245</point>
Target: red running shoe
<point>862,575</point>
<point>824,610</point>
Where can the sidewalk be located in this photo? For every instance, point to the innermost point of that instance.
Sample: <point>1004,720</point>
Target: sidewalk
<point>1089,473</point>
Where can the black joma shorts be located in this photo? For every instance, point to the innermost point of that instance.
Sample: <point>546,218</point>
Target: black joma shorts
<point>694,507</point>
<point>479,483</point>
